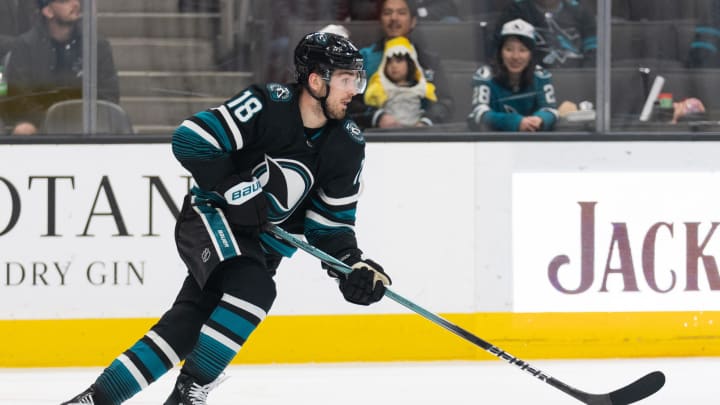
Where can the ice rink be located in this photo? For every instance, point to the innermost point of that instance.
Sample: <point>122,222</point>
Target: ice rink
<point>690,381</point>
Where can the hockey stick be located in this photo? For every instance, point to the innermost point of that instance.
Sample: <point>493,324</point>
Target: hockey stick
<point>633,392</point>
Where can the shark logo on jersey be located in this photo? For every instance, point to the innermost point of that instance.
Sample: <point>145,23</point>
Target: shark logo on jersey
<point>484,73</point>
<point>278,92</point>
<point>354,131</point>
<point>285,182</point>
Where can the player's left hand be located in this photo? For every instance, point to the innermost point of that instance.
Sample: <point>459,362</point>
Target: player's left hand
<point>365,284</point>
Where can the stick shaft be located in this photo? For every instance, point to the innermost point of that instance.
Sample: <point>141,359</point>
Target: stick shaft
<point>628,394</point>
<point>437,319</point>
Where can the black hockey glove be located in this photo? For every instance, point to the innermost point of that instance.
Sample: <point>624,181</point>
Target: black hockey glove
<point>246,204</point>
<point>365,284</point>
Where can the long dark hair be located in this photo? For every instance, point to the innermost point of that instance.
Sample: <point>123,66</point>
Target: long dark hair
<point>502,74</point>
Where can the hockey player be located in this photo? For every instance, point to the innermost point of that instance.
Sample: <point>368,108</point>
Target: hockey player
<point>277,153</point>
<point>513,95</point>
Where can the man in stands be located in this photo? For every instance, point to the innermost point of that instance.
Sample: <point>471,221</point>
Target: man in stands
<point>398,18</point>
<point>45,66</point>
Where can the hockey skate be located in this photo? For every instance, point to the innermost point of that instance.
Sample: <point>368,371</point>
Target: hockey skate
<point>86,397</point>
<point>188,392</point>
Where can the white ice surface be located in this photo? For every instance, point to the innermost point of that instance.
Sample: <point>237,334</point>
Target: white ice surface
<point>690,381</point>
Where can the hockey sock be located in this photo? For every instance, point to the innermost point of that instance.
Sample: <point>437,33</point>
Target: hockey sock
<point>221,337</point>
<point>136,368</point>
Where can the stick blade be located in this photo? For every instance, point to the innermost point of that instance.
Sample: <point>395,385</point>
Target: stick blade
<point>638,390</point>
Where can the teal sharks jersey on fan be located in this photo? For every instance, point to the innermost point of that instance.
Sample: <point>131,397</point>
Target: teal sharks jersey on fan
<point>311,178</point>
<point>500,108</point>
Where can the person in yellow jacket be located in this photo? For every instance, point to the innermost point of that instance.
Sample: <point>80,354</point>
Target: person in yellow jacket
<point>399,87</point>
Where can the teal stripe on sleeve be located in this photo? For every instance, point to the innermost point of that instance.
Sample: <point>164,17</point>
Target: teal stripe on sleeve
<point>212,121</point>
<point>341,215</point>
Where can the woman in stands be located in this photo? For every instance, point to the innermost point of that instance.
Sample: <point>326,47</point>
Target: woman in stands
<point>515,94</point>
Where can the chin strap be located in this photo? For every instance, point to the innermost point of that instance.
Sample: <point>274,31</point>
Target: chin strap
<point>322,100</point>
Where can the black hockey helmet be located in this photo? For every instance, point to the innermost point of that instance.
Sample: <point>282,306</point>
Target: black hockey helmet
<point>324,52</point>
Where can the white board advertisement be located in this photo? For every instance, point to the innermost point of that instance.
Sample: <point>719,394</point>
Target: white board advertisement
<point>614,241</point>
<point>86,231</point>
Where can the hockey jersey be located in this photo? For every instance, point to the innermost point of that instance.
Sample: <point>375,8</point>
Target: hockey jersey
<point>499,108</point>
<point>566,36</point>
<point>312,182</point>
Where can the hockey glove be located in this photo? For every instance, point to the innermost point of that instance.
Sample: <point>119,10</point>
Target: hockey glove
<point>246,204</point>
<point>365,284</point>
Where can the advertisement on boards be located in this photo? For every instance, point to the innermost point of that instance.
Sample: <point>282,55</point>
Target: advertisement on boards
<point>613,241</point>
<point>86,230</point>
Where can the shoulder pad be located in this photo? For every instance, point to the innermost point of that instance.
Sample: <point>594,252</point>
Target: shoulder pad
<point>542,73</point>
<point>352,129</point>
<point>279,92</point>
<point>484,73</point>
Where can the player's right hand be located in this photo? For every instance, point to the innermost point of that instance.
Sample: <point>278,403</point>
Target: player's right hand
<point>365,284</point>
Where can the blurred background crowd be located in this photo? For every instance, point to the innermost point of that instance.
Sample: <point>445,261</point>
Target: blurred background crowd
<point>156,62</point>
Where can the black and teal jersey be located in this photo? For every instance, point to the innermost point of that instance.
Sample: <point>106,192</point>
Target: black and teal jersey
<point>499,108</point>
<point>565,36</point>
<point>311,179</point>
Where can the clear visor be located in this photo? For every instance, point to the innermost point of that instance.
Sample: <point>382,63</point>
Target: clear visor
<point>349,80</point>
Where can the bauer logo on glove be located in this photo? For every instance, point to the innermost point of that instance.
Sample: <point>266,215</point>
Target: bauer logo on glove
<point>243,192</point>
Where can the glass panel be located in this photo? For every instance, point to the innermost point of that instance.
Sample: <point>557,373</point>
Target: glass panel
<point>175,57</point>
<point>453,40</point>
<point>664,61</point>
<point>42,65</point>
<point>468,71</point>
<point>15,19</point>
<point>160,61</point>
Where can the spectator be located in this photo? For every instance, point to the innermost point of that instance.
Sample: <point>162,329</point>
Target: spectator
<point>565,29</point>
<point>398,18</point>
<point>45,66</point>
<point>516,96</point>
<point>399,87</point>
